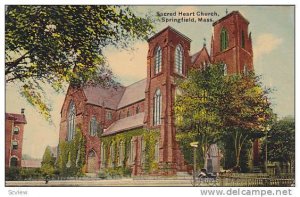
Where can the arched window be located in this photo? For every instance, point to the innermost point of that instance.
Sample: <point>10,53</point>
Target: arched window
<point>243,40</point>
<point>179,59</point>
<point>132,151</point>
<point>102,155</point>
<point>71,121</point>
<point>13,162</point>
<point>158,57</point>
<point>121,153</point>
<point>157,108</point>
<point>225,69</point>
<point>112,155</point>
<point>93,126</point>
<point>223,40</point>
<point>156,154</point>
<point>143,150</point>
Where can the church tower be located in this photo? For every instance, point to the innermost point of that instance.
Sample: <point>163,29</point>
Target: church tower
<point>168,59</point>
<point>232,44</point>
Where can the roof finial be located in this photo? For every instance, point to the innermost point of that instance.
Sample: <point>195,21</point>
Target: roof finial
<point>204,42</point>
<point>226,11</point>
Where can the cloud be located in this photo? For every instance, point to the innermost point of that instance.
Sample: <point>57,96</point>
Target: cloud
<point>129,65</point>
<point>265,44</point>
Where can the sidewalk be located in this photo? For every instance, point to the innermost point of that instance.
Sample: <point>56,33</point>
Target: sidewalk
<point>93,183</point>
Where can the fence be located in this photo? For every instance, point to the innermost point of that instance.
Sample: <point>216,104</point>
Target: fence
<point>261,180</point>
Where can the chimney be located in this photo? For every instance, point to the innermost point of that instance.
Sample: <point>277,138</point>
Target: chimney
<point>22,111</point>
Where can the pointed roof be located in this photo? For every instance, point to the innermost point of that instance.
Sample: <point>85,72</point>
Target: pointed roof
<point>133,93</point>
<point>229,15</point>
<point>197,55</point>
<point>170,29</point>
<point>115,98</point>
<point>101,96</point>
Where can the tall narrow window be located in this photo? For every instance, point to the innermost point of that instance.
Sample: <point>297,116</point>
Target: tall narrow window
<point>112,155</point>
<point>71,121</point>
<point>158,57</point>
<point>245,69</point>
<point>243,40</point>
<point>223,40</point>
<point>93,126</point>
<point>157,108</point>
<point>102,155</point>
<point>132,151</point>
<point>225,69</point>
<point>121,153</point>
<point>143,150</point>
<point>179,59</point>
<point>156,154</point>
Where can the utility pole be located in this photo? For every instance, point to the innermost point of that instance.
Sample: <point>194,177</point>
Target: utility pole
<point>194,145</point>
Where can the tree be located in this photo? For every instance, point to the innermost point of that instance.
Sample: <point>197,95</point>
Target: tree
<point>281,141</point>
<point>196,115</point>
<point>64,44</point>
<point>214,107</point>
<point>48,162</point>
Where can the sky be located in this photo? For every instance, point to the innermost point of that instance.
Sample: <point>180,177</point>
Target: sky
<point>272,29</point>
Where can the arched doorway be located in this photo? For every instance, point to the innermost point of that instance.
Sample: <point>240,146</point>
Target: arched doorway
<point>13,162</point>
<point>92,162</point>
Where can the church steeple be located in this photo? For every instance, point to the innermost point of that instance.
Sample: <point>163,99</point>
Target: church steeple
<point>231,44</point>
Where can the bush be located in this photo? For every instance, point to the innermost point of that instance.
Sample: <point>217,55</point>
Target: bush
<point>30,173</point>
<point>12,174</point>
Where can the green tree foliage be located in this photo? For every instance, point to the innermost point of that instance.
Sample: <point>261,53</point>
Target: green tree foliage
<point>64,44</point>
<point>48,162</point>
<point>212,106</point>
<point>71,158</point>
<point>281,141</point>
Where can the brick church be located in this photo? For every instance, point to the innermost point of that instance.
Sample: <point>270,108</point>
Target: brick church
<point>148,103</point>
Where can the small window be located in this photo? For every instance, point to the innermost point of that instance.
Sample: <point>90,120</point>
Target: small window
<point>14,145</point>
<point>128,113</point>
<point>16,130</point>
<point>137,110</point>
<point>109,115</point>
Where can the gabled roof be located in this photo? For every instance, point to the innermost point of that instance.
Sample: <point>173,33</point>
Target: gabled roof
<point>230,14</point>
<point>133,93</point>
<point>124,124</point>
<point>101,96</point>
<point>171,29</point>
<point>196,56</point>
<point>115,98</point>
<point>18,118</point>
